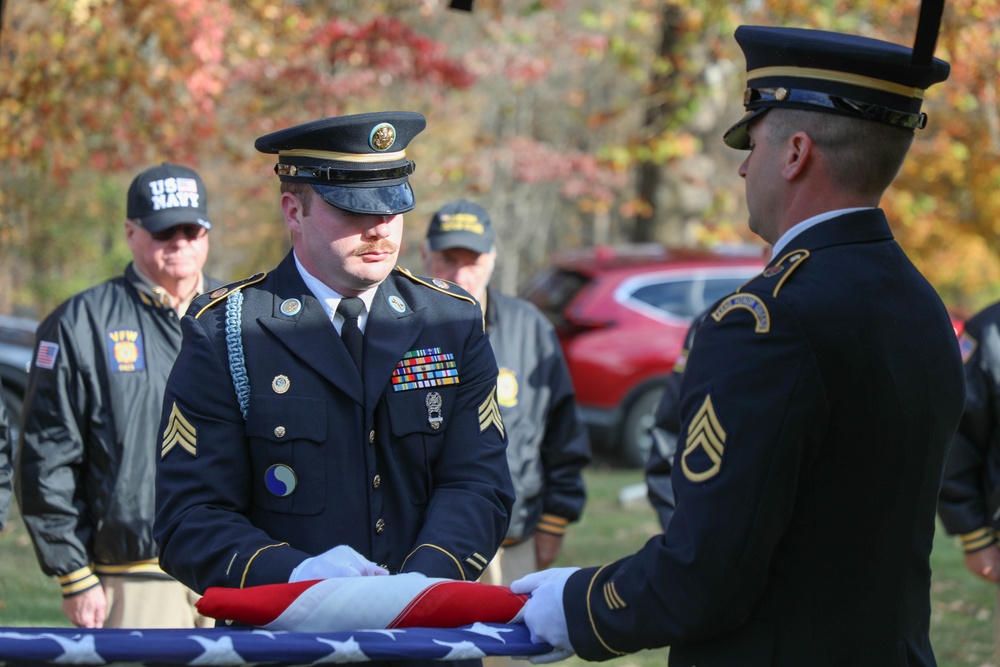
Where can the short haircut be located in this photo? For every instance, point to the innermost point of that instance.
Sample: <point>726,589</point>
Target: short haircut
<point>863,156</point>
<point>301,190</point>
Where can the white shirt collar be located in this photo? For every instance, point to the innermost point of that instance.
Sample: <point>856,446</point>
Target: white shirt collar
<point>330,298</point>
<point>798,228</point>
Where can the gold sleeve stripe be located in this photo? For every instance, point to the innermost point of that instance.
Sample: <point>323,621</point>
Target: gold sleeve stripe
<point>480,558</point>
<point>590,614</point>
<point>458,565</point>
<point>151,566</point>
<point>77,581</point>
<point>550,523</point>
<point>246,570</point>
<point>977,539</point>
<point>612,598</point>
<point>474,563</point>
<point>836,77</point>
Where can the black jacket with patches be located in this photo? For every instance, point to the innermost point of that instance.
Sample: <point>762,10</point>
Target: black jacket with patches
<point>816,409</point>
<point>89,439</point>
<point>547,443</point>
<point>969,505</point>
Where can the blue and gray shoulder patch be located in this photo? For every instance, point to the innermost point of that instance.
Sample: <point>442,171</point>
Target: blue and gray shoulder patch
<point>221,293</point>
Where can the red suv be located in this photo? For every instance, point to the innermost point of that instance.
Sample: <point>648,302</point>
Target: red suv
<point>621,314</point>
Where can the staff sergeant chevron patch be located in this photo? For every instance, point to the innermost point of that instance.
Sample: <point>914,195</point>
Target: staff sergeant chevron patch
<point>489,414</point>
<point>181,432</point>
<point>705,434</point>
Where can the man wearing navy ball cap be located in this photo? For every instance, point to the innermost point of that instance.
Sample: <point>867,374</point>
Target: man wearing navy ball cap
<point>817,405</point>
<point>351,404</point>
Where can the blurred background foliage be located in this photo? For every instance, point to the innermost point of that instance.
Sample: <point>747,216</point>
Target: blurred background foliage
<point>575,122</point>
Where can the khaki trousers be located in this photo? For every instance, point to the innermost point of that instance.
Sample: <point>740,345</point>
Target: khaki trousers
<point>148,602</point>
<point>511,563</point>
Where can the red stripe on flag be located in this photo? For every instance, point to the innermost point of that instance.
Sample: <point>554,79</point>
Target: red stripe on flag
<point>453,604</point>
<point>256,605</point>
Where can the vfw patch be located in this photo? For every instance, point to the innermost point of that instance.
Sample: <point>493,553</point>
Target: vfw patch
<point>126,353</point>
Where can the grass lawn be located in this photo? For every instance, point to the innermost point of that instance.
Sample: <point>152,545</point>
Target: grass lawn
<point>962,607</point>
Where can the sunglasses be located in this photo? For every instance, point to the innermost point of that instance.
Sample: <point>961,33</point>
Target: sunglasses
<point>190,232</point>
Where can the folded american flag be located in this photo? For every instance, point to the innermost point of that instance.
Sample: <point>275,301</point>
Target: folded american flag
<point>364,603</point>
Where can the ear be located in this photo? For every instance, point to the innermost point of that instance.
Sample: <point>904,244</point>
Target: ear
<point>130,233</point>
<point>798,152</point>
<point>291,207</point>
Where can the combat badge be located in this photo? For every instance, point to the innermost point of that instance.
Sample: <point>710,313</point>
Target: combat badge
<point>750,302</point>
<point>181,432</point>
<point>489,414</point>
<point>434,405</point>
<point>705,434</point>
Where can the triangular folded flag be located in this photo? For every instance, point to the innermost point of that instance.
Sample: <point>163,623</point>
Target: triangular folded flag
<point>364,603</point>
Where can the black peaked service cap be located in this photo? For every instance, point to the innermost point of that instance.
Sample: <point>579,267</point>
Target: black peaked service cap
<point>829,72</point>
<point>357,163</point>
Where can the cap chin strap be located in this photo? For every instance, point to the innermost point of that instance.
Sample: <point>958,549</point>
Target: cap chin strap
<point>327,173</point>
<point>798,99</point>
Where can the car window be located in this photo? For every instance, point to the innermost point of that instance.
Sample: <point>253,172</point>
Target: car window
<point>552,291</point>
<point>686,298</point>
<point>716,288</point>
<point>674,297</point>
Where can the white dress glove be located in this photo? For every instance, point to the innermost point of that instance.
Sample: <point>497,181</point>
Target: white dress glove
<point>340,561</point>
<point>544,613</point>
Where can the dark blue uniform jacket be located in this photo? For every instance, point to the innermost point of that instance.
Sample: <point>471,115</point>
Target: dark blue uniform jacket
<point>413,477</point>
<point>816,409</point>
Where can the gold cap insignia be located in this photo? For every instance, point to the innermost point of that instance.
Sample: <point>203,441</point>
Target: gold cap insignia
<point>383,136</point>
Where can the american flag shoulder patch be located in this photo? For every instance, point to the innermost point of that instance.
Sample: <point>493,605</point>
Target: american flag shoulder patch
<point>428,367</point>
<point>47,354</point>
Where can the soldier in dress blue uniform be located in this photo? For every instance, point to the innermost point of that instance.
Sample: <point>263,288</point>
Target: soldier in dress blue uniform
<point>816,407</point>
<point>286,458</point>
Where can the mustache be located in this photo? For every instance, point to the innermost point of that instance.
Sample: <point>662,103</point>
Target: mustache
<point>382,245</point>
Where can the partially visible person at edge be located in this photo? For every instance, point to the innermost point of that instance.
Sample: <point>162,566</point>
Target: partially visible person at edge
<point>969,504</point>
<point>547,444</point>
<point>667,425</point>
<point>95,391</point>
<point>6,464</point>
<point>817,405</point>
<point>362,435</point>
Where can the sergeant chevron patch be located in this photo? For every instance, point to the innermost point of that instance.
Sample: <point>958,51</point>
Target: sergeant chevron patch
<point>181,432</point>
<point>705,434</point>
<point>489,414</point>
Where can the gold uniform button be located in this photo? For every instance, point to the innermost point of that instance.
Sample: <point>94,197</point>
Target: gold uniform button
<point>377,481</point>
<point>379,526</point>
<point>371,436</point>
<point>279,432</point>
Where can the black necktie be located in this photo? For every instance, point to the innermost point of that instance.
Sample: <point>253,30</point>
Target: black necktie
<point>349,308</point>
